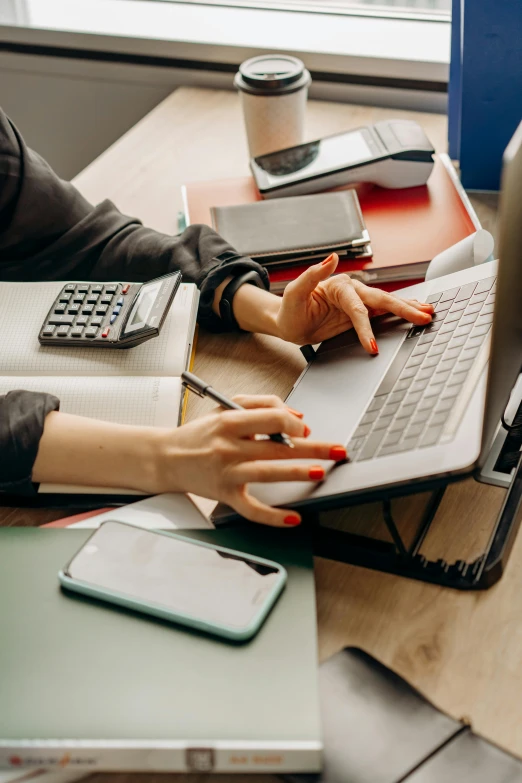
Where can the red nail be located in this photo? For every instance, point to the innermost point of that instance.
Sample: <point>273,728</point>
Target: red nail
<point>295,413</point>
<point>337,453</point>
<point>292,520</point>
<point>316,473</point>
<point>373,346</point>
<point>307,431</point>
<point>327,260</point>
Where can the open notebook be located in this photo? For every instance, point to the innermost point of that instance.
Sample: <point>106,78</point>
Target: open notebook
<point>140,385</point>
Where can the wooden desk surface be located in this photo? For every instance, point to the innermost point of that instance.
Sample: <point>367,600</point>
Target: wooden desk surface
<point>463,650</point>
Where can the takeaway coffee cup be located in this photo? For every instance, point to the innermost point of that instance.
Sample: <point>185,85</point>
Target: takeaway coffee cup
<point>273,90</point>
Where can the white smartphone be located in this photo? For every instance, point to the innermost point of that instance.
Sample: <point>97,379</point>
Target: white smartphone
<point>211,588</point>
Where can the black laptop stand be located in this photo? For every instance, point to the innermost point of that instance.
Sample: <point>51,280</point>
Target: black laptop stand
<point>401,554</point>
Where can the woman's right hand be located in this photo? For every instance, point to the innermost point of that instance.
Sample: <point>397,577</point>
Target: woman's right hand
<point>218,455</point>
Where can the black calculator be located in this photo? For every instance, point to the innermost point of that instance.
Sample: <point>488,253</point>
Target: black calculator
<point>109,315</point>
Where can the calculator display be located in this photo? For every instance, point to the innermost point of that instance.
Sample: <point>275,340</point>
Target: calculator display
<point>142,309</point>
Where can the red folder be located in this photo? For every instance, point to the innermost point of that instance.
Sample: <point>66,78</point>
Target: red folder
<point>407,227</point>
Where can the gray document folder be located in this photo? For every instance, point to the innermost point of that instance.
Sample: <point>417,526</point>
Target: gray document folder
<point>292,228</point>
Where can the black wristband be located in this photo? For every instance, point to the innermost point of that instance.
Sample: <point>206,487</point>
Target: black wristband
<point>225,304</point>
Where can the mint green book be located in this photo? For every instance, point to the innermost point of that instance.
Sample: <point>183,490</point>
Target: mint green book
<point>90,686</point>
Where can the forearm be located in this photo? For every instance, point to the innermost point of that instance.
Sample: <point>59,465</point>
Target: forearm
<point>255,310</point>
<point>78,450</point>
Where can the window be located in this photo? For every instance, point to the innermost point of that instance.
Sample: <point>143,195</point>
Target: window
<point>432,10</point>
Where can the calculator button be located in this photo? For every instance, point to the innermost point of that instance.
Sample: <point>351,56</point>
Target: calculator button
<point>61,320</point>
<point>106,299</point>
<point>96,289</point>
<point>105,332</point>
<point>87,309</point>
<point>96,321</point>
<point>120,301</point>
<point>82,320</point>
<point>83,289</point>
<point>65,297</point>
<point>101,309</point>
<point>92,298</point>
<point>92,331</point>
<point>48,331</point>
<point>111,289</point>
<point>70,287</point>
<point>75,308</point>
<point>77,331</point>
<point>125,288</point>
<point>63,331</point>
<point>60,309</point>
<point>79,298</point>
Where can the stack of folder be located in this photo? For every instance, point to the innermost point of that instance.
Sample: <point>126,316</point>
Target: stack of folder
<point>406,228</point>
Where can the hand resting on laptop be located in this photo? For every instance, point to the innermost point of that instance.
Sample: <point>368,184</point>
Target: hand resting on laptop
<point>317,306</point>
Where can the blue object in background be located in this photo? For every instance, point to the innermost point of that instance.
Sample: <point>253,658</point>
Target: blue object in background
<point>485,90</point>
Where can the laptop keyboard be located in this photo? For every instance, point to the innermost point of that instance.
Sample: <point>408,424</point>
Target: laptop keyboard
<point>416,396</point>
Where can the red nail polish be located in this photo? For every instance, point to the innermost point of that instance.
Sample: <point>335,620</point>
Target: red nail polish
<point>337,453</point>
<point>307,431</point>
<point>295,413</point>
<point>316,473</point>
<point>327,260</point>
<point>292,520</point>
<point>373,346</point>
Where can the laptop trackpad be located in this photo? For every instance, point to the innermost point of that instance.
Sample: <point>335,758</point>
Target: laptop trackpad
<point>333,394</point>
<point>340,382</point>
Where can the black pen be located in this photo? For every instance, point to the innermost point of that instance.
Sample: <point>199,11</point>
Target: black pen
<point>199,387</point>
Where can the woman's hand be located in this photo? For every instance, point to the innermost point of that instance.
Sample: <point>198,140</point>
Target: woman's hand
<point>218,455</point>
<point>316,306</point>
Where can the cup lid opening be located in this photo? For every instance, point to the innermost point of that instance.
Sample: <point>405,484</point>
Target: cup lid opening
<point>271,71</point>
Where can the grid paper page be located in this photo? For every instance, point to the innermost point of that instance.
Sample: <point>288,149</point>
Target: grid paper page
<point>23,308</point>
<point>151,402</point>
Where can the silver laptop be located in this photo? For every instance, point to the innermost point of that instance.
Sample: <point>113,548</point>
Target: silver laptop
<point>426,407</point>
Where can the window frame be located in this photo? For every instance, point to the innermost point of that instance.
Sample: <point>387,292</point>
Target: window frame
<point>351,49</point>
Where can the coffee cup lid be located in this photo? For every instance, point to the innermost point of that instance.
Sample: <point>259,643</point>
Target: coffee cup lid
<point>270,74</point>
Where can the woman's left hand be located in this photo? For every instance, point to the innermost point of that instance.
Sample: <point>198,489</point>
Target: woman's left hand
<point>317,306</point>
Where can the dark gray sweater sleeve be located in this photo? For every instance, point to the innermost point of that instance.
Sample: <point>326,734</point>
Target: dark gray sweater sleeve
<point>48,231</point>
<point>22,419</point>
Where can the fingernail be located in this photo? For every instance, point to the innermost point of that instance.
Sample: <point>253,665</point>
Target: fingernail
<point>373,346</point>
<point>292,520</point>
<point>327,260</point>
<point>337,453</point>
<point>316,473</point>
<point>296,413</point>
<point>307,431</point>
